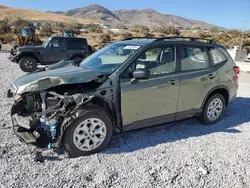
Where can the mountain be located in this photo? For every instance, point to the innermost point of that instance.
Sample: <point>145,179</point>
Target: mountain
<point>95,12</point>
<point>34,15</point>
<point>152,18</point>
<point>148,17</point>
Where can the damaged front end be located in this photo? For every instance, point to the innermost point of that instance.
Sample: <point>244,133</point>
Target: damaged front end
<point>44,102</point>
<point>38,117</point>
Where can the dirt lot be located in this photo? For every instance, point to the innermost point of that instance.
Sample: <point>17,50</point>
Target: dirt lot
<point>183,154</point>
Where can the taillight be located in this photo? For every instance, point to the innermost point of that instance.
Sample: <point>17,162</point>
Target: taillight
<point>236,70</point>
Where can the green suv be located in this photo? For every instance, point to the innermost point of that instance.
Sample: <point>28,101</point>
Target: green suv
<point>131,84</point>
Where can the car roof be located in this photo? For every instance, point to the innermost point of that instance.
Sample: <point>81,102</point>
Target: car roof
<point>76,38</point>
<point>140,42</point>
<point>143,42</point>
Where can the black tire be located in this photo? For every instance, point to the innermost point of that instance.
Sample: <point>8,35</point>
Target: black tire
<point>68,139</point>
<point>204,116</point>
<point>28,64</point>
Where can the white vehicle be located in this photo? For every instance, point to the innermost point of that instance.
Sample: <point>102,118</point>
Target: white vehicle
<point>248,58</point>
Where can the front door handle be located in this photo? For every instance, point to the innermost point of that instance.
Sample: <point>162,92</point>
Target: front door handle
<point>211,76</point>
<point>172,82</point>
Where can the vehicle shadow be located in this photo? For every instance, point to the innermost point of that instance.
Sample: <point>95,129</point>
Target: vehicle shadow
<point>235,115</point>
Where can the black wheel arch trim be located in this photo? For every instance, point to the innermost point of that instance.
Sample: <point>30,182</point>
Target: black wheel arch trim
<point>212,90</point>
<point>35,55</point>
<point>81,111</point>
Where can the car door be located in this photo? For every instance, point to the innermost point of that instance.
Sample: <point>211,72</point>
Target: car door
<point>55,50</point>
<point>197,77</point>
<point>152,101</point>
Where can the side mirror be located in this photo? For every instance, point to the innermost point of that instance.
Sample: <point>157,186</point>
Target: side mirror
<point>141,74</point>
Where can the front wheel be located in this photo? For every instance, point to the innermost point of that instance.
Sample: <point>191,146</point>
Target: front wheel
<point>213,109</point>
<point>88,134</point>
<point>28,64</point>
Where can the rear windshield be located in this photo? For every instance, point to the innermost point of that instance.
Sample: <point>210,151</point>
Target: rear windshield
<point>77,44</point>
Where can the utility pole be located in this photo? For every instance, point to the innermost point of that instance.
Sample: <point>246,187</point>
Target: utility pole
<point>243,33</point>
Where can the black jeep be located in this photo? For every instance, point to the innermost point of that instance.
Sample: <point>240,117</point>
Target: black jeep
<point>54,49</point>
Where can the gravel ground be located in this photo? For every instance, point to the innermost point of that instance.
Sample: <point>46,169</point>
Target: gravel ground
<point>183,154</point>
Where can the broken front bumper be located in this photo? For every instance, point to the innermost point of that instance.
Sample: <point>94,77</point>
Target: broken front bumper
<point>22,132</point>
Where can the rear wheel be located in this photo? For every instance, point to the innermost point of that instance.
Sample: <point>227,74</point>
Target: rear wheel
<point>88,134</point>
<point>28,64</point>
<point>213,109</point>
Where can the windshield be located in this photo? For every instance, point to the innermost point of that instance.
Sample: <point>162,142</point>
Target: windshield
<point>46,42</point>
<point>108,59</point>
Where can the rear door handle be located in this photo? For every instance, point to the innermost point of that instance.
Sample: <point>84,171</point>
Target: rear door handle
<point>211,76</point>
<point>172,82</point>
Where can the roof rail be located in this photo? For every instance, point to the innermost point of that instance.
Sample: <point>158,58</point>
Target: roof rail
<point>181,37</point>
<point>146,37</point>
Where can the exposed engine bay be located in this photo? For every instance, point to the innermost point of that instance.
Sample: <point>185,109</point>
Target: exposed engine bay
<point>38,116</point>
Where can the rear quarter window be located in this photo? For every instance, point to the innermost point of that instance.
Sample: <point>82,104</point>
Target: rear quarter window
<point>77,44</point>
<point>193,58</point>
<point>217,56</point>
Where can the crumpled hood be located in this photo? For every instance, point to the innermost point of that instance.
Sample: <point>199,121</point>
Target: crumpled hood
<point>47,79</point>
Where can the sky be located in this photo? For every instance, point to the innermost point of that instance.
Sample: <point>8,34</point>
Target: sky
<point>230,14</point>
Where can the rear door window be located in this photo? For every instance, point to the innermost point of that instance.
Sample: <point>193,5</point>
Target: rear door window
<point>193,58</point>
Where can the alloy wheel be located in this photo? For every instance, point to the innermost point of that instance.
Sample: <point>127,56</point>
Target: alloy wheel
<point>214,109</point>
<point>89,134</point>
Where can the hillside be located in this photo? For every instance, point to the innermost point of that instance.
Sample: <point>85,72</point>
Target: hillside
<point>34,15</point>
<point>153,18</point>
<point>94,12</point>
<point>148,17</point>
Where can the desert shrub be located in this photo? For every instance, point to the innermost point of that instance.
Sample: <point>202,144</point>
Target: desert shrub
<point>94,29</point>
<point>73,26</point>
<point>170,30</point>
<point>126,35</point>
<point>18,23</point>
<point>115,34</point>
<point>204,35</point>
<point>214,28</point>
<point>7,38</point>
<point>99,30</point>
<point>246,45</point>
<point>121,26</point>
<point>105,38</point>
<point>233,33</point>
<point>142,29</point>
<point>46,29</point>
<point>135,30</point>
<point>5,25</point>
<point>196,27</point>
